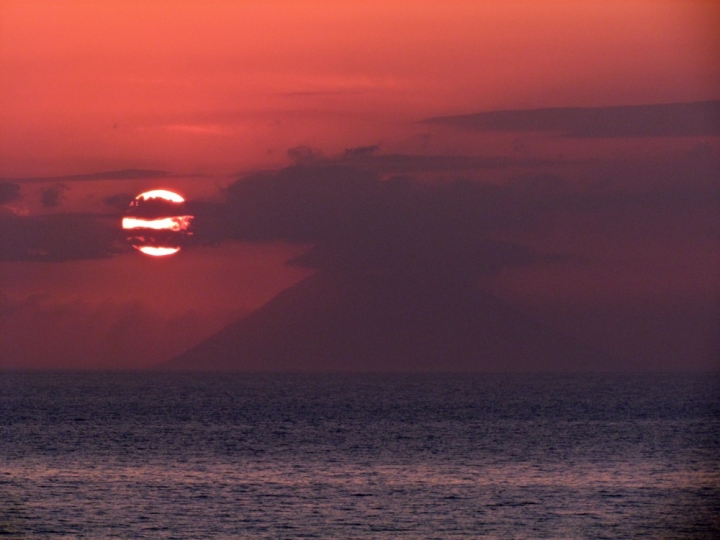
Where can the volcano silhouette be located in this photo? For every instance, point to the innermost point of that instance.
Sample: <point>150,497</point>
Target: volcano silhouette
<point>340,322</point>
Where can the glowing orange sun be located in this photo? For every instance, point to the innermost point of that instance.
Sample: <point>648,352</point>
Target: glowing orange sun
<point>156,223</point>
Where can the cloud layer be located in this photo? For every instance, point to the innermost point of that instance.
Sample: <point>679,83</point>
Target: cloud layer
<point>57,237</point>
<point>9,191</point>
<point>357,220</point>
<point>124,174</point>
<point>666,120</point>
<point>358,212</point>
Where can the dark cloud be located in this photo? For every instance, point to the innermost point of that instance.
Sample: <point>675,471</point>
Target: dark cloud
<point>50,197</point>
<point>355,213</point>
<point>9,192</point>
<point>124,174</point>
<point>119,201</point>
<point>409,163</point>
<point>368,157</point>
<point>304,155</point>
<point>355,220</point>
<point>357,216</point>
<point>361,151</point>
<point>57,237</point>
<point>151,208</point>
<point>666,120</point>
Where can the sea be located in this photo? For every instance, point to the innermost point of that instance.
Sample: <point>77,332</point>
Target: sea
<point>132,455</point>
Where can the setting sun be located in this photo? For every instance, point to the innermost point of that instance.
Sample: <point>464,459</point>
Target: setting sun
<point>156,222</point>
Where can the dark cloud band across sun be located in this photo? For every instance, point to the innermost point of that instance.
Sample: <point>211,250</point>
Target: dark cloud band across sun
<point>356,213</point>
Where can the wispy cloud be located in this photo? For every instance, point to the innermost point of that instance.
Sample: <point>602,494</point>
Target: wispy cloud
<point>123,174</point>
<point>200,129</point>
<point>666,120</point>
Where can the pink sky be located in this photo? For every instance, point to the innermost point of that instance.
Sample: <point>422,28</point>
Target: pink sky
<point>208,90</point>
<point>217,87</point>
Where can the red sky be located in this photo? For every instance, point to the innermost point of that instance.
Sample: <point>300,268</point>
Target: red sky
<point>211,90</point>
<point>222,86</point>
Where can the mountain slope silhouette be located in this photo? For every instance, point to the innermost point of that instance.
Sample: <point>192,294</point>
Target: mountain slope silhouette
<point>363,322</point>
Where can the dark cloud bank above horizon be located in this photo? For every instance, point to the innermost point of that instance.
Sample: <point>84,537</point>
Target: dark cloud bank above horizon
<point>644,232</point>
<point>368,208</point>
<point>357,212</point>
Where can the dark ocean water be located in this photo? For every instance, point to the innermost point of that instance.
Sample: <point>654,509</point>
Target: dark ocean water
<point>121,455</point>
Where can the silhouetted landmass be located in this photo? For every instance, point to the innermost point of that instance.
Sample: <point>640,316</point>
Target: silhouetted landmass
<point>665,120</point>
<point>335,322</point>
